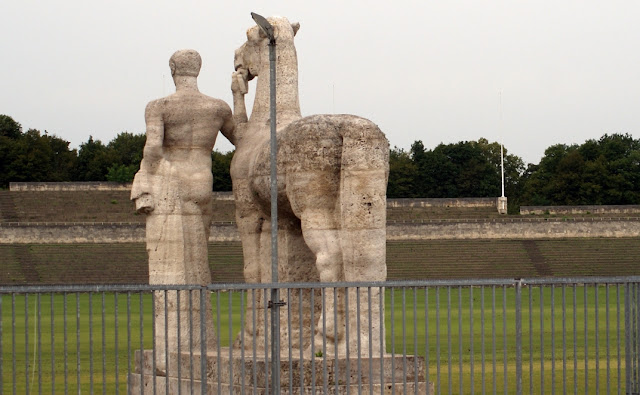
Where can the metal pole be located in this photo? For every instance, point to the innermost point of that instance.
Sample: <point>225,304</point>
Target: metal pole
<point>275,297</point>
<point>275,303</point>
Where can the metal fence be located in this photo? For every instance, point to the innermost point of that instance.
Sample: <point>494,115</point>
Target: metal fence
<point>570,335</point>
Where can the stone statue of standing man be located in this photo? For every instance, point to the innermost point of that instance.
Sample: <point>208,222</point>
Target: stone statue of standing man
<point>174,189</point>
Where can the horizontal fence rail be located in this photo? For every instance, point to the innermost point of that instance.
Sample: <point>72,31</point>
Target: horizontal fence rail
<point>557,335</point>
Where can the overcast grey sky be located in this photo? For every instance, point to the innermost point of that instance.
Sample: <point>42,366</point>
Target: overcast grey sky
<point>430,71</point>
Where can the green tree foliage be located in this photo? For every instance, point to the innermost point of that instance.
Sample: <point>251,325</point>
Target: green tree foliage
<point>9,128</point>
<point>32,156</point>
<point>121,173</point>
<point>604,171</point>
<point>93,162</point>
<point>220,166</point>
<point>402,174</point>
<point>464,169</point>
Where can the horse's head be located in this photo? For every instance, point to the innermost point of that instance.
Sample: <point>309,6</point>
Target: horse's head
<point>253,55</point>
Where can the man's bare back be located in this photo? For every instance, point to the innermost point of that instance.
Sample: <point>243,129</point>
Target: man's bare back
<point>182,130</point>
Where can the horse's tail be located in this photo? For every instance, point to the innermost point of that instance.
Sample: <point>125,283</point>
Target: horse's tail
<point>362,199</point>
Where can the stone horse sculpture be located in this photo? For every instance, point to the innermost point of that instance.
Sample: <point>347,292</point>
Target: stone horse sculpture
<point>332,178</point>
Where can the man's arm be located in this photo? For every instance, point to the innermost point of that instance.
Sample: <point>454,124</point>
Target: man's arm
<point>153,151</point>
<point>239,88</point>
<point>228,128</point>
<point>141,190</point>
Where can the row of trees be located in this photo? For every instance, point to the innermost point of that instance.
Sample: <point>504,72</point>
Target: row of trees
<point>604,171</point>
<point>37,156</point>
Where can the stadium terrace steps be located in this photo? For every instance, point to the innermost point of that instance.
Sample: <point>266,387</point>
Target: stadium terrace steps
<point>7,208</point>
<point>406,260</point>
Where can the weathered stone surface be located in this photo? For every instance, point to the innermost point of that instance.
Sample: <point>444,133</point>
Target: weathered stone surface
<point>332,177</point>
<point>230,372</point>
<point>173,187</point>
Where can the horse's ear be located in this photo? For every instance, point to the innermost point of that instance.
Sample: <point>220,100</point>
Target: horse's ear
<point>296,27</point>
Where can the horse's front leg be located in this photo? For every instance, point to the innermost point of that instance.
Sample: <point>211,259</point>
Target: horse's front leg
<point>250,221</point>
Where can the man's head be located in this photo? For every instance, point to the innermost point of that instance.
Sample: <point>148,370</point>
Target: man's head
<point>185,62</point>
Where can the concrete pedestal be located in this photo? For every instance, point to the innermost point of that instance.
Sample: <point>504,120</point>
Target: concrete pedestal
<point>233,375</point>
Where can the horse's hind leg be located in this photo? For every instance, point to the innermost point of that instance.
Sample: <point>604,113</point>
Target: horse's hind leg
<point>313,198</point>
<point>363,232</point>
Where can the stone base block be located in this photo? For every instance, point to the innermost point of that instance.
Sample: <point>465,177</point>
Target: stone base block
<point>232,375</point>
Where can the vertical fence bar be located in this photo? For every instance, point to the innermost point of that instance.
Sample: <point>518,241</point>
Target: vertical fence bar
<point>382,334</point>
<point>553,340</point>
<point>450,378</point>
<point>597,339</point>
<point>13,342</point>
<point>438,339</point>
<point>289,328</point>
<point>141,329</point>
<point>347,340</point>
<point>203,342</point>
<point>230,334</point>
<point>518,309</point>
<point>154,337</point>
<point>493,336</point>
<point>165,297</point>
<point>370,305</point>
<point>218,331</point>
<point>471,340</point>
<point>53,351</point>
<point>301,342</point>
<point>482,345</point>
<point>618,339</point>
<point>541,338</point>
<point>530,338</point>
<point>104,343</point>
<point>504,337</point>
<point>404,340</point>
<point>39,340</point>
<point>627,337</point>
<point>179,341</point>
<point>128,300</point>
<point>242,323</point>
<point>91,342</point>
<point>415,341</point>
<point>393,344</point>
<point>191,378</point>
<point>77,341</point>
<point>116,343</point>
<point>324,343</point>
<point>26,341</point>
<point>586,339</point>
<point>266,339</point>
<point>575,339</point>
<point>564,339</point>
<point>254,339</point>
<point>313,351</point>
<point>460,339</point>
<point>2,349</point>
<point>635,334</point>
<point>359,345</point>
<point>608,343</point>
<point>426,332</point>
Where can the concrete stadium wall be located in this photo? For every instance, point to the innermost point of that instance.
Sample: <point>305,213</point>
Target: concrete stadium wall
<point>69,233</point>
<point>560,210</point>
<point>446,202</point>
<point>69,186</point>
<point>66,233</point>
<point>514,229</point>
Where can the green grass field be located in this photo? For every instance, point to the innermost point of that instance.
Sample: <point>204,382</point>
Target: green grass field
<point>36,337</point>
